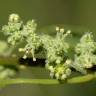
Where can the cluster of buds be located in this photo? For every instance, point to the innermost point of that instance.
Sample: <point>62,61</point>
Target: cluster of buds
<point>60,71</point>
<point>27,52</point>
<point>17,32</point>
<point>32,39</point>
<point>13,29</point>
<point>56,47</point>
<point>85,56</point>
<point>62,31</point>
<point>14,18</point>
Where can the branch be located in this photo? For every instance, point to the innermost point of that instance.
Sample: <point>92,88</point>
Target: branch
<point>74,80</point>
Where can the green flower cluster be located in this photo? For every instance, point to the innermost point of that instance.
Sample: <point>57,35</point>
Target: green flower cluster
<point>56,48</point>
<point>17,32</point>
<point>60,71</point>
<point>85,56</point>
<point>33,41</point>
<point>13,29</point>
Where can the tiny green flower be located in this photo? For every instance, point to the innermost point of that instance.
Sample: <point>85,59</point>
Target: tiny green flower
<point>63,77</point>
<point>24,57</point>
<point>14,18</point>
<point>57,75</point>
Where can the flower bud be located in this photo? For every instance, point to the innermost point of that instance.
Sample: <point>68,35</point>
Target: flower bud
<point>14,18</point>
<point>68,61</point>
<point>63,77</point>
<point>57,28</point>
<point>34,59</point>
<point>69,31</point>
<point>21,49</point>
<point>58,61</point>
<point>51,68</point>
<point>24,57</point>
<point>88,65</point>
<point>57,75</point>
<point>62,30</point>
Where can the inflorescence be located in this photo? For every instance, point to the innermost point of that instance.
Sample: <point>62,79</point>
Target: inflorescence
<point>55,48</point>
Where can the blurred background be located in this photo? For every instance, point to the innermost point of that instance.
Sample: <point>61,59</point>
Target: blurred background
<point>78,13</point>
<point>46,12</point>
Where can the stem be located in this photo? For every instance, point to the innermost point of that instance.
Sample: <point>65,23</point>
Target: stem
<point>29,81</point>
<point>81,79</point>
<point>74,80</point>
